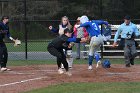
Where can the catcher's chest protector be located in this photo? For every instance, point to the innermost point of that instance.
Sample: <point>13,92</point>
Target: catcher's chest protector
<point>61,30</point>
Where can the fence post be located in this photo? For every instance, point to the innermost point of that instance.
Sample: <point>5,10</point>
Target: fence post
<point>25,28</point>
<point>101,10</point>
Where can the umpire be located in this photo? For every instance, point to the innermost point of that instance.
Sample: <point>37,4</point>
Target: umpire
<point>4,31</point>
<point>128,32</point>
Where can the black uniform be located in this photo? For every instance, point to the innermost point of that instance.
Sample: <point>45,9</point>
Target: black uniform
<point>56,47</point>
<point>4,30</point>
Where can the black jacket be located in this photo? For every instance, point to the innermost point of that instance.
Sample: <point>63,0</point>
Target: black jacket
<point>4,31</point>
<point>61,42</point>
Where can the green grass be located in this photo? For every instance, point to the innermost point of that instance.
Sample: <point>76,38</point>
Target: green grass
<point>32,46</point>
<point>41,62</point>
<point>29,62</point>
<point>38,62</point>
<point>119,87</point>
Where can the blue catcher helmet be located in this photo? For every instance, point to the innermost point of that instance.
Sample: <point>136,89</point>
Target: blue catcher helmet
<point>106,63</point>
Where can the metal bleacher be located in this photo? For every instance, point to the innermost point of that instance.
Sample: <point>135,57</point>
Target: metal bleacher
<point>111,52</point>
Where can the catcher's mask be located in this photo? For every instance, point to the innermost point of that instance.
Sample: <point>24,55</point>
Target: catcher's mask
<point>106,63</point>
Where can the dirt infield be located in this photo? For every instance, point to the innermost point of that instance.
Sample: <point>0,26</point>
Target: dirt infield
<point>25,78</point>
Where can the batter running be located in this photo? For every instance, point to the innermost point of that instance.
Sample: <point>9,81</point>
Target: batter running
<point>97,39</point>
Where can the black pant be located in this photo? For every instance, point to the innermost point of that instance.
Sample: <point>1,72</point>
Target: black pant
<point>3,55</point>
<point>130,51</point>
<point>61,57</point>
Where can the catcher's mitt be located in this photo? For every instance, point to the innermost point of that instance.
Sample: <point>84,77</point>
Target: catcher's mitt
<point>17,42</point>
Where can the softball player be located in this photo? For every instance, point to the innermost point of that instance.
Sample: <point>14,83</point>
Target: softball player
<point>97,39</point>
<point>57,45</point>
<point>4,31</point>
<point>63,25</point>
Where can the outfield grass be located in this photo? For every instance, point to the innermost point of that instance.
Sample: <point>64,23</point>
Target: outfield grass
<point>119,87</point>
<point>41,62</point>
<point>30,62</point>
<point>32,47</point>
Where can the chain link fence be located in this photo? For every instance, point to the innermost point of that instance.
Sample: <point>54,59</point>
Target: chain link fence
<point>30,19</point>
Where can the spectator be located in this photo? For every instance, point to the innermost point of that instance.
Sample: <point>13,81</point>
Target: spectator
<point>80,33</point>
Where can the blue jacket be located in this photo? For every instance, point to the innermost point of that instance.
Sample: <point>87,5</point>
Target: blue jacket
<point>92,27</point>
<point>4,31</point>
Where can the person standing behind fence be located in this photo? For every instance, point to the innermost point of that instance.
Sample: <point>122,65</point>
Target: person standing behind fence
<point>128,32</point>
<point>63,25</point>
<point>80,33</point>
<point>4,31</point>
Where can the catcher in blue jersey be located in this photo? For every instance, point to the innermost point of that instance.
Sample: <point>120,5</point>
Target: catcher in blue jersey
<point>97,39</point>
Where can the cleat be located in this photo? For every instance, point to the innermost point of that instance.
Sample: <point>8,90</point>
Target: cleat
<point>68,73</point>
<point>98,63</point>
<point>90,67</point>
<point>8,69</point>
<point>3,69</point>
<point>60,71</point>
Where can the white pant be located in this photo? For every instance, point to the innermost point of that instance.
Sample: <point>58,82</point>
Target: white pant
<point>95,44</point>
<point>69,57</point>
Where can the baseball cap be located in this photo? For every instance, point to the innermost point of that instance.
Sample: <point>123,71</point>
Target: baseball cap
<point>84,19</point>
<point>127,17</point>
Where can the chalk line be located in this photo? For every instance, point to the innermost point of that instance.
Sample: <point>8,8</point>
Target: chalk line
<point>19,73</point>
<point>23,81</point>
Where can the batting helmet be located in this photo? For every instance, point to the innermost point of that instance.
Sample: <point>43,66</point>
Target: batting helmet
<point>106,63</point>
<point>84,19</point>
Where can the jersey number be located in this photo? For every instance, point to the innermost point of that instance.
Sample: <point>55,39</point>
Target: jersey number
<point>95,26</point>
